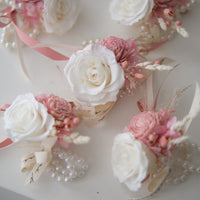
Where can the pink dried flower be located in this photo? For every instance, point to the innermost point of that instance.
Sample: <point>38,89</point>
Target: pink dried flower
<point>154,130</point>
<point>166,3</point>
<point>31,11</point>
<point>144,123</point>
<point>42,98</point>
<point>124,50</point>
<point>59,108</point>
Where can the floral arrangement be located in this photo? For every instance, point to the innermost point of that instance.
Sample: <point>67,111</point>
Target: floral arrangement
<point>99,72</point>
<point>158,18</point>
<point>97,75</point>
<point>141,155</point>
<point>34,17</point>
<point>44,121</point>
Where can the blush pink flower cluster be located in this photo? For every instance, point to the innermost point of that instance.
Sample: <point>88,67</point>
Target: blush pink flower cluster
<point>167,8</point>
<point>154,130</point>
<point>166,3</point>
<point>127,56</point>
<point>63,112</point>
<point>125,50</point>
<point>31,11</point>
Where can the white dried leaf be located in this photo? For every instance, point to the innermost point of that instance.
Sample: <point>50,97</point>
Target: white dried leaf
<point>74,135</point>
<point>182,31</point>
<point>143,64</point>
<point>153,66</point>
<point>162,24</point>
<point>28,162</point>
<point>41,157</point>
<point>39,168</point>
<point>177,141</point>
<point>158,67</point>
<point>36,172</point>
<point>81,140</point>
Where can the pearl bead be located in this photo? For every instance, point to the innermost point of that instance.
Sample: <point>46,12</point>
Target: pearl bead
<point>67,166</point>
<point>11,3</point>
<point>13,45</point>
<point>30,34</point>
<point>1,40</point>
<point>188,5</point>
<point>7,45</point>
<point>35,31</point>
<point>19,5</point>
<point>59,178</point>
<point>191,168</point>
<point>66,179</point>
<point>53,175</point>
<point>58,168</point>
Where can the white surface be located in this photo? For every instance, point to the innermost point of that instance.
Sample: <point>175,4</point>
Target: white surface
<point>99,183</point>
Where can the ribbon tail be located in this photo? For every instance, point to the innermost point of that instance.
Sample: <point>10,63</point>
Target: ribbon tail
<point>31,42</point>
<point>21,58</point>
<point>5,143</point>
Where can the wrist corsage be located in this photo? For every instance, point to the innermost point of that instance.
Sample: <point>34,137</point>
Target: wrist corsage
<point>100,72</point>
<point>158,19</point>
<point>146,153</point>
<point>45,122</point>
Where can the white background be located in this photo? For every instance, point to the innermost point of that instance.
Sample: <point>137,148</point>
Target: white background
<point>99,183</point>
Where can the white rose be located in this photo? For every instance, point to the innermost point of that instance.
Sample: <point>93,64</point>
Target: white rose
<point>27,119</point>
<point>60,15</point>
<point>94,75</point>
<point>129,12</point>
<point>132,161</point>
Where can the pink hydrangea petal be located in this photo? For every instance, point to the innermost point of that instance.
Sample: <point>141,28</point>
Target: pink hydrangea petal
<point>171,122</point>
<point>160,129</point>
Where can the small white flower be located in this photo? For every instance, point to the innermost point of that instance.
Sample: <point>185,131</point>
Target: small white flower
<point>132,161</point>
<point>60,15</point>
<point>129,12</point>
<point>94,75</point>
<point>27,119</point>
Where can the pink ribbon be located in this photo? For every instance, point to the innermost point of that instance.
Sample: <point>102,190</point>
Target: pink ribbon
<point>46,51</point>
<point>5,143</point>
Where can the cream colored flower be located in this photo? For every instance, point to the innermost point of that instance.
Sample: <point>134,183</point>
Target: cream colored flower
<point>60,15</point>
<point>129,12</point>
<point>27,119</point>
<point>94,75</point>
<point>132,161</point>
